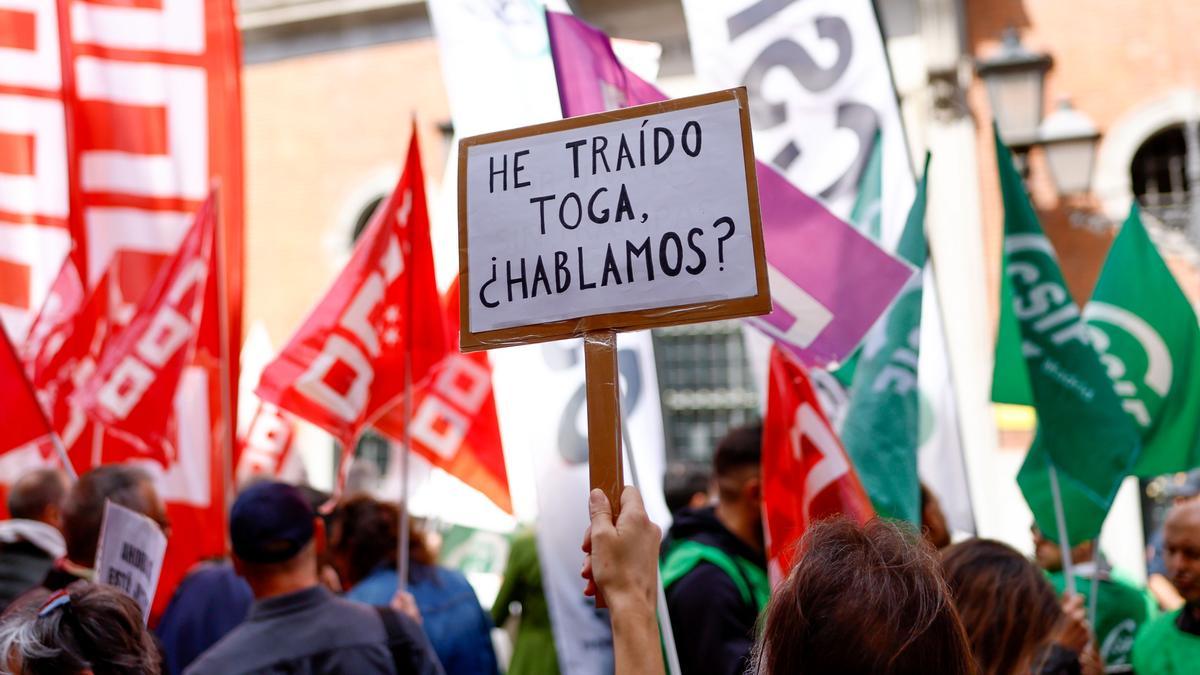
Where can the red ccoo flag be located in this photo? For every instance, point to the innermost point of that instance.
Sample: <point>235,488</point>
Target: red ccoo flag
<point>132,391</point>
<point>806,473</point>
<point>24,422</point>
<point>346,364</point>
<point>267,449</point>
<point>454,422</point>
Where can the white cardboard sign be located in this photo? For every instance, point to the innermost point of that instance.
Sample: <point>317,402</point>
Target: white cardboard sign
<point>650,212</point>
<point>130,554</point>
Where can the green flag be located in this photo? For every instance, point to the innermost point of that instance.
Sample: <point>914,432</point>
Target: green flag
<point>882,424</point>
<point>1082,434</point>
<point>1146,332</point>
<point>867,214</point>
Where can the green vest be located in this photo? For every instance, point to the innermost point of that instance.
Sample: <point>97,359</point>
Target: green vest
<point>749,579</point>
<point>1162,649</point>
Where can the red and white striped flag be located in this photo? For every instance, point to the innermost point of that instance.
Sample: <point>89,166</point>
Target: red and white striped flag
<point>132,391</point>
<point>115,118</point>
<point>454,422</point>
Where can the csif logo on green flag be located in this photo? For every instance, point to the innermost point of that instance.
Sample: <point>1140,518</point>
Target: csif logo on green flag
<point>1145,330</point>
<point>1045,357</point>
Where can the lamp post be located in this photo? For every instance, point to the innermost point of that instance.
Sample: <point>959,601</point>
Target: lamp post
<point>1015,77</point>
<point>1069,139</point>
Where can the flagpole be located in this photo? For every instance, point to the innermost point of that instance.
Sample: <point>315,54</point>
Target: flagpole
<point>61,450</point>
<point>1099,558</point>
<point>664,617</point>
<point>224,372</point>
<point>406,440</point>
<point>1064,543</point>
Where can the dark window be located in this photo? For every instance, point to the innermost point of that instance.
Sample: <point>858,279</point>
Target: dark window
<point>364,217</point>
<point>706,387</point>
<point>1160,181</point>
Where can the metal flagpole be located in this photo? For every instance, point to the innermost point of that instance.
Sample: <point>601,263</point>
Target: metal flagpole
<point>61,450</point>
<point>406,440</point>
<point>406,437</point>
<point>1095,591</point>
<point>664,617</point>
<point>1064,543</point>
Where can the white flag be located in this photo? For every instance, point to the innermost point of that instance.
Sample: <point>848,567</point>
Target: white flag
<point>498,73</point>
<point>821,97</point>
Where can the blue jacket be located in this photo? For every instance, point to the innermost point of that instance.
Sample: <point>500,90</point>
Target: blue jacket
<point>456,624</point>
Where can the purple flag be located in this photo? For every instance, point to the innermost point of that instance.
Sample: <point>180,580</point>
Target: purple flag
<point>828,282</point>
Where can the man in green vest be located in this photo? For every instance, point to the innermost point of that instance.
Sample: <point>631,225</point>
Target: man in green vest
<point>713,566</point>
<point>1170,645</point>
<point>1122,606</point>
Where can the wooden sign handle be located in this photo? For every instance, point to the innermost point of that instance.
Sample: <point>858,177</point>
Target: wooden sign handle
<point>604,415</point>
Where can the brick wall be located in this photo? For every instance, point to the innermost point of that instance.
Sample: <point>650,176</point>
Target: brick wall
<point>320,129</point>
<point>1110,56</point>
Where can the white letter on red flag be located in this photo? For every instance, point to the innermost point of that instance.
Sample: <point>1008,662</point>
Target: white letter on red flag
<point>345,366</point>
<point>806,473</point>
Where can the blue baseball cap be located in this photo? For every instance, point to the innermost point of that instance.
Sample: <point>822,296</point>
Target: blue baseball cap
<point>270,523</point>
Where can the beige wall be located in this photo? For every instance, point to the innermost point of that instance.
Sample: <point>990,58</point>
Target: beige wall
<point>324,134</point>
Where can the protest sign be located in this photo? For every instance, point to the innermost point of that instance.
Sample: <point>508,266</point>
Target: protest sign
<point>130,554</point>
<point>628,219</point>
<point>641,217</point>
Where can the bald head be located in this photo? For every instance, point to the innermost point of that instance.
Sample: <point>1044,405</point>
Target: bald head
<point>1182,548</point>
<point>39,495</point>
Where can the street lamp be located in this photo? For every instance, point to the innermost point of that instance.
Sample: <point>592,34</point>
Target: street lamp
<point>1069,139</point>
<point>1014,77</point>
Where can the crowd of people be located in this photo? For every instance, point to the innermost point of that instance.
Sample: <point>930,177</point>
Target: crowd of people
<point>313,586</point>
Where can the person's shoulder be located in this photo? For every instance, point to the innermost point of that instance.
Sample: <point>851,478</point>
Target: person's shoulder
<point>704,585</point>
<point>377,588</point>
<point>452,578</point>
<point>220,657</point>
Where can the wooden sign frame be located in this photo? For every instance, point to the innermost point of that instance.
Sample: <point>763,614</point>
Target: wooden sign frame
<point>754,305</point>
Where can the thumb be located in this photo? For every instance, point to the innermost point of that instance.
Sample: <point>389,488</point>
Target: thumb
<point>600,510</point>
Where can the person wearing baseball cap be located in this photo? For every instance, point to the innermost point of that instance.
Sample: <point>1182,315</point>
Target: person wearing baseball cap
<point>296,625</point>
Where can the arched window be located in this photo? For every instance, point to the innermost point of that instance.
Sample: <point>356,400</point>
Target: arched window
<point>1159,176</point>
<point>364,217</point>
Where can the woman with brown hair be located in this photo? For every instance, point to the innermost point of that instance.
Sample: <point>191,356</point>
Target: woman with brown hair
<point>862,599</point>
<point>1011,614</point>
<point>363,543</point>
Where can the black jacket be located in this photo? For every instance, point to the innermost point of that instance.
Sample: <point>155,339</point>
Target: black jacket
<point>22,567</point>
<point>713,625</point>
<point>311,632</point>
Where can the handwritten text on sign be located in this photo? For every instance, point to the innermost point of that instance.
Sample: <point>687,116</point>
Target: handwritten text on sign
<point>641,213</point>
<point>130,554</point>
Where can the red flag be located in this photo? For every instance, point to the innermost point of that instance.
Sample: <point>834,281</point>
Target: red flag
<point>56,319</point>
<point>346,364</point>
<point>66,360</point>
<point>132,392</point>
<point>24,422</point>
<point>454,420</point>
<point>806,473</point>
<point>266,449</point>
<point>103,181</point>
